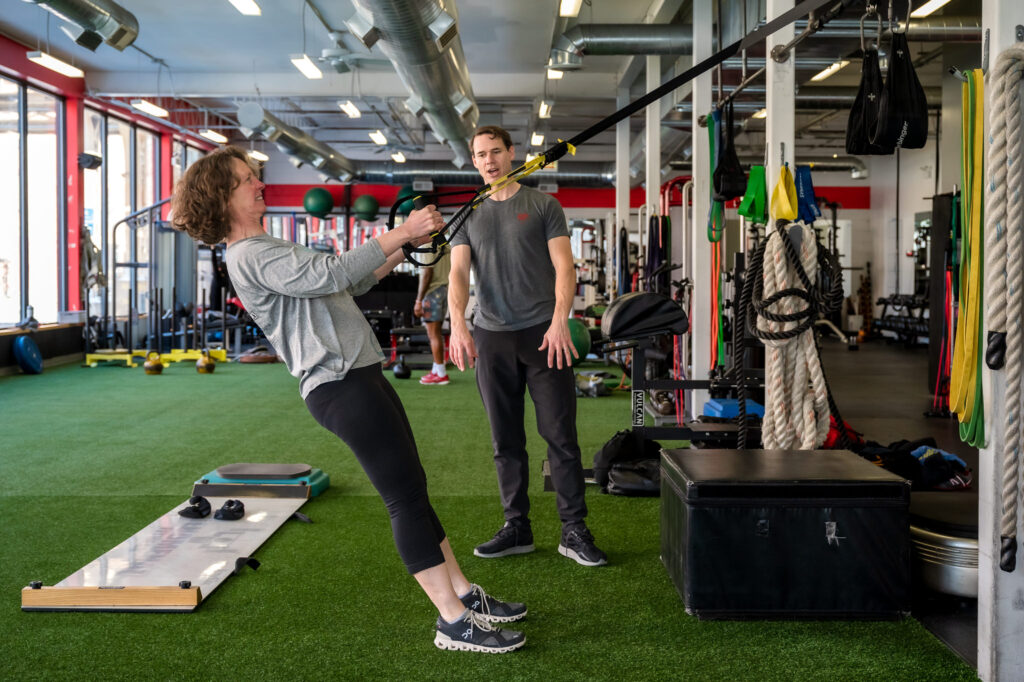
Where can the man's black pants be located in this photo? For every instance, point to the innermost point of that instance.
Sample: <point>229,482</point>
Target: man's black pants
<point>507,364</point>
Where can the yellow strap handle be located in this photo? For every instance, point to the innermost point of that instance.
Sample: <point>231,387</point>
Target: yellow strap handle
<point>784,202</point>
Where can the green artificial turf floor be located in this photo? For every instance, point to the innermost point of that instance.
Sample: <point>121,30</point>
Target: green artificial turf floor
<point>90,456</point>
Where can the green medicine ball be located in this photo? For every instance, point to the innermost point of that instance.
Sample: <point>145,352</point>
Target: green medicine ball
<point>404,200</point>
<point>318,202</point>
<point>365,207</point>
<point>580,336</point>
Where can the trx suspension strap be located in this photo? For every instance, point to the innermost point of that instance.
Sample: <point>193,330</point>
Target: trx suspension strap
<point>1004,212</point>
<point>965,395</point>
<point>569,146</point>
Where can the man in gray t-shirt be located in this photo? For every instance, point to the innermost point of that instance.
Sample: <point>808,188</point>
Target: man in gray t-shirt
<point>517,244</point>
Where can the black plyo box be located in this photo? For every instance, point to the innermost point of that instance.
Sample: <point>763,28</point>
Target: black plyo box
<point>785,534</point>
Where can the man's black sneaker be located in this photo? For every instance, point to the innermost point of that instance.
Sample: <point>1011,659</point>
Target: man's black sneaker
<point>578,545</point>
<point>510,539</point>
<point>493,610</point>
<point>473,633</point>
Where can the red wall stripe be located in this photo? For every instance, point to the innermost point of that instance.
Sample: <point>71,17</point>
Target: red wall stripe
<point>850,198</point>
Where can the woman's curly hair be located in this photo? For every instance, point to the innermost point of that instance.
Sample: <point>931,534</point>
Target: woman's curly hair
<point>200,204</point>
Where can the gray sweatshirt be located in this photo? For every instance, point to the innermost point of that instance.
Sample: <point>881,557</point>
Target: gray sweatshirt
<point>302,300</point>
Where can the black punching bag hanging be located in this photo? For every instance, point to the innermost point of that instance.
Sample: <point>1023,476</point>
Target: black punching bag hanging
<point>864,112</point>
<point>902,108</point>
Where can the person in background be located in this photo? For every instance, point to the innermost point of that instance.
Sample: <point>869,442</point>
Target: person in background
<point>432,305</point>
<point>302,300</point>
<point>517,244</point>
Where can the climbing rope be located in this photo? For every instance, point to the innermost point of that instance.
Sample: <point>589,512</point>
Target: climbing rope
<point>1004,213</point>
<point>781,276</point>
<point>965,394</point>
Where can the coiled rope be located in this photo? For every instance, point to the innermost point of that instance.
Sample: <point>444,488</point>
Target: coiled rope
<point>789,287</point>
<point>1004,225</point>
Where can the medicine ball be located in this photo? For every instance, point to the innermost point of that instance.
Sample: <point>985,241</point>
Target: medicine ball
<point>405,200</point>
<point>580,336</point>
<point>365,207</point>
<point>318,202</point>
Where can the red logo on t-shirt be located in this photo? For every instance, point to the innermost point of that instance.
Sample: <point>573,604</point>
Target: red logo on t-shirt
<point>523,216</point>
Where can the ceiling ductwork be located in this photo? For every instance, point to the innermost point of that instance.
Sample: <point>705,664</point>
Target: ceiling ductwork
<point>677,39</point>
<point>579,174</point>
<point>303,148</point>
<point>611,39</point>
<point>930,29</point>
<point>94,22</point>
<point>420,37</point>
<point>858,169</point>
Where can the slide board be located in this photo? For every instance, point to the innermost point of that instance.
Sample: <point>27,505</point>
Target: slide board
<point>145,572</point>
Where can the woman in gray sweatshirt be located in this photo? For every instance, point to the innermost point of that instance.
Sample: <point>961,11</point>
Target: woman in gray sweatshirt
<point>302,300</point>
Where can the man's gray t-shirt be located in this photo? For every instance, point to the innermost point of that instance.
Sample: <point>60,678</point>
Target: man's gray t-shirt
<point>302,300</point>
<point>515,278</point>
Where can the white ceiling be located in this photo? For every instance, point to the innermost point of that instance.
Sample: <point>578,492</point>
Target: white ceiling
<point>216,58</point>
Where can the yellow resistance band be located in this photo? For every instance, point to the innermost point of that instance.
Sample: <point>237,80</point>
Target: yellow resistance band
<point>965,394</point>
<point>784,204</point>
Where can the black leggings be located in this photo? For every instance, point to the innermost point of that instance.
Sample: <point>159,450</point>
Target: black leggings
<point>364,411</point>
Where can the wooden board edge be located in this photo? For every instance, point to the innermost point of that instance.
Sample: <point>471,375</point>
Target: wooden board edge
<point>129,596</point>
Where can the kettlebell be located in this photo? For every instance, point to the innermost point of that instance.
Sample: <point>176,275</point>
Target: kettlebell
<point>205,364</point>
<point>152,365</point>
<point>401,369</point>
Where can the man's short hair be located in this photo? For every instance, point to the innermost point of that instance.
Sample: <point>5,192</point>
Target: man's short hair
<point>493,131</point>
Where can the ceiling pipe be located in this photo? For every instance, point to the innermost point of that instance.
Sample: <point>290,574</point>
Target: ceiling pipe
<point>614,39</point>
<point>302,147</point>
<point>858,169</point>
<point>94,22</point>
<point>568,49</point>
<point>421,40</point>
<point>441,173</point>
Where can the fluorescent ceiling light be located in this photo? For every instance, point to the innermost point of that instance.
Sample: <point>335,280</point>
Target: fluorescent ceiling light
<point>149,108</point>
<point>378,137</point>
<point>760,113</point>
<point>247,7</point>
<point>351,109</point>
<point>554,74</point>
<point>569,8</point>
<point>927,8</point>
<point>214,136</point>
<point>545,109</point>
<point>398,157</point>
<point>822,75</point>
<point>537,139</point>
<point>306,66</point>
<point>258,155</point>
<point>54,64</point>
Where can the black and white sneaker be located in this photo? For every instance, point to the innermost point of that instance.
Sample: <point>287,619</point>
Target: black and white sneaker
<point>473,633</point>
<point>510,539</point>
<point>578,545</point>
<point>493,610</point>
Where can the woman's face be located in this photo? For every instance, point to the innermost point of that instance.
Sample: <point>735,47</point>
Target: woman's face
<point>246,202</point>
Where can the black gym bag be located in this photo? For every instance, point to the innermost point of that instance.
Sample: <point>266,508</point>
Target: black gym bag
<point>628,464</point>
<point>902,108</point>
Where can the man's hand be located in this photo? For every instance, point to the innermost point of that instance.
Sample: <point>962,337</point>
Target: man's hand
<point>558,343</point>
<point>461,348</point>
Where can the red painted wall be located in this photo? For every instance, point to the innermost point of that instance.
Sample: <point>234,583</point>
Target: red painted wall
<point>569,197</point>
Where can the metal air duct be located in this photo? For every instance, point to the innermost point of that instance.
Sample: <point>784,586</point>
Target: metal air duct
<point>570,174</point>
<point>614,39</point>
<point>302,147</point>
<point>858,169</point>
<point>420,38</point>
<point>94,22</point>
